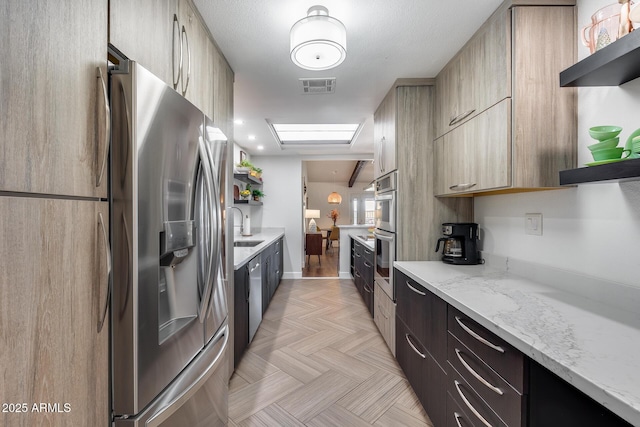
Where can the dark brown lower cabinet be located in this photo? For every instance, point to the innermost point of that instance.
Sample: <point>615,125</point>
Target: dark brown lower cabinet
<point>554,402</point>
<point>426,377</point>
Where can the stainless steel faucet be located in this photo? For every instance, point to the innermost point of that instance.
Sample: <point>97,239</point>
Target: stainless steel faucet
<point>241,218</point>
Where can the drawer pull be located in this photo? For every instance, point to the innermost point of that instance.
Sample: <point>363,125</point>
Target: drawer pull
<point>462,187</point>
<point>461,117</point>
<point>366,264</point>
<point>367,288</point>
<point>470,406</point>
<point>414,289</point>
<point>457,416</point>
<point>477,375</point>
<point>478,337</point>
<point>413,346</point>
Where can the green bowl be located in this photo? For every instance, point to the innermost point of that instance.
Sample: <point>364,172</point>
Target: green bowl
<point>607,153</point>
<point>609,143</point>
<point>602,133</point>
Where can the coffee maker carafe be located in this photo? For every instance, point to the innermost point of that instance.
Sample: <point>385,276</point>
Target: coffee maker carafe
<point>460,246</point>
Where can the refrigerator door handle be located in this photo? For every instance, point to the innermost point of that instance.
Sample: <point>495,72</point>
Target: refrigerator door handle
<point>182,390</point>
<point>206,294</point>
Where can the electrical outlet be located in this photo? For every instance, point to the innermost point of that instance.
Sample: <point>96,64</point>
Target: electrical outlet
<point>533,224</point>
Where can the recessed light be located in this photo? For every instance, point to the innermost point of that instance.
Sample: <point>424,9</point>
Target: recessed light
<point>252,137</point>
<point>238,122</point>
<point>260,147</point>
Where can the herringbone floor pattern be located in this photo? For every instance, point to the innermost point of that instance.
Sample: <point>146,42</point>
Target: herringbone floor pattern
<point>319,360</point>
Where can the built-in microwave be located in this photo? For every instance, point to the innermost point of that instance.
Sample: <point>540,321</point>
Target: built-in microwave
<point>386,183</point>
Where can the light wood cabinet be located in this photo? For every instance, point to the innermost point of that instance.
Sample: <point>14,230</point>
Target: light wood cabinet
<point>478,77</point>
<point>223,94</point>
<point>515,128</point>
<point>384,154</point>
<point>199,64</point>
<point>476,156</point>
<point>385,317</point>
<point>51,102</point>
<point>145,31</point>
<point>52,296</point>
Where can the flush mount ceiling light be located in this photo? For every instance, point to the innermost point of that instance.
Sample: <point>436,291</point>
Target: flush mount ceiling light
<point>318,42</point>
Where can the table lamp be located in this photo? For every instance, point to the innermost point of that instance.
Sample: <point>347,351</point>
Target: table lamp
<point>312,213</point>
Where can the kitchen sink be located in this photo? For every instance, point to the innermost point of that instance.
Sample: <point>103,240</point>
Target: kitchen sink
<point>247,243</point>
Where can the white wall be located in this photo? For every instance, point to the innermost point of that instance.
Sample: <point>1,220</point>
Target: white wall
<point>318,193</point>
<point>592,229</point>
<point>282,206</point>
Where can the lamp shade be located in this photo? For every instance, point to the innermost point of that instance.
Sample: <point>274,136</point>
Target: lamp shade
<point>334,198</point>
<point>312,213</point>
<point>318,42</point>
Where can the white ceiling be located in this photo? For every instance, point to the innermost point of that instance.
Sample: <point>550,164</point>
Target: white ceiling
<point>386,40</point>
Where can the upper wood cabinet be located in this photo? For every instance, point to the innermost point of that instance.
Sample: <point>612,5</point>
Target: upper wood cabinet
<point>223,94</point>
<point>170,40</point>
<point>52,298</point>
<point>384,134</point>
<point>197,81</point>
<point>148,32</point>
<point>507,125</point>
<point>52,102</point>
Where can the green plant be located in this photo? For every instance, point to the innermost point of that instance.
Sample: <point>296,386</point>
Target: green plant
<point>257,193</point>
<point>245,164</point>
<point>258,170</point>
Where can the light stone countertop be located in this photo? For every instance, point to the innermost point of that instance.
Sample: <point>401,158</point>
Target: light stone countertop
<point>580,328</point>
<point>363,237</point>
<point>242,255</point>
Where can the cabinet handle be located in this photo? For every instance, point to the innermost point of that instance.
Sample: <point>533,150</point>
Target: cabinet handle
<point>477,375</point>
<point>107,131</point>
<point>358,255</point>
<point>176,79</point>
<point>478,337</point>
<point>254,267</point>
<point>414,289</point>
<point>186,38</point>
<point>461,117</point>
<point>406,336</point>
<point>357,274</point>
<point>367,288</point>
<point>462,187</point>
<point>109,270</point>
<point>457,417</point>
<point>367,264</point>
<point>469,405</point>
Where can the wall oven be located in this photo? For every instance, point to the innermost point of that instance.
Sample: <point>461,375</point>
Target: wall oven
<point>385,199</point>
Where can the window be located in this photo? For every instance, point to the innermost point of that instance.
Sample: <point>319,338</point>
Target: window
<point>363,208</point>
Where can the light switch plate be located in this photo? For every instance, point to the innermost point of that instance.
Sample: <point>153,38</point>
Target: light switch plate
<point>533,224</point>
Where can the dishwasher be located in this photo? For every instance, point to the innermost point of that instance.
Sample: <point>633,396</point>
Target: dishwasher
<point>255,296</point>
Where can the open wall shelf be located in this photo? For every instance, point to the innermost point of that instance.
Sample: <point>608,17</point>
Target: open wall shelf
<point>247,179</point>
<point>612,65</point>
<point>627,170</point>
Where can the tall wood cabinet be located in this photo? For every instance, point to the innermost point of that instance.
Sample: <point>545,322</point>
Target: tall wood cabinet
<point>53,290</point>
<point>51,102</point>
<point>53,183</point>
<point>503,123</point>
<point>406,114</point>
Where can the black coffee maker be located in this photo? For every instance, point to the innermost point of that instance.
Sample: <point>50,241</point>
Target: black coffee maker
<point>461,244</point>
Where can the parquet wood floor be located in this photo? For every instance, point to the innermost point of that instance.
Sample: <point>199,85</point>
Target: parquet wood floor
<point>319,360</point>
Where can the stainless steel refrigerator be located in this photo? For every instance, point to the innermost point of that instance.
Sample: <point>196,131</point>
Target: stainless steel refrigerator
<point>168,307</point>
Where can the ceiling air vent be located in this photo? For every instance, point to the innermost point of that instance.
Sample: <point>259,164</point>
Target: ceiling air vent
<point>318,85</point>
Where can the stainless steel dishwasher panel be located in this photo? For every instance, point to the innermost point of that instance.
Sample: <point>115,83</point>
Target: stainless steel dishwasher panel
<point>255,296</point>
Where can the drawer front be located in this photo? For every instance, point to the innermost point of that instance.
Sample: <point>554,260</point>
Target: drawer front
<point>475,409</point>
<point>425,314</point>
<point>495,352</point>
<point>426,377</point>
<point>384,315</point>
<point>457,417</point>
<point>491,387</point>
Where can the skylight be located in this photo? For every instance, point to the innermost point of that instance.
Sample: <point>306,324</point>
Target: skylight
<point>315,134</point>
